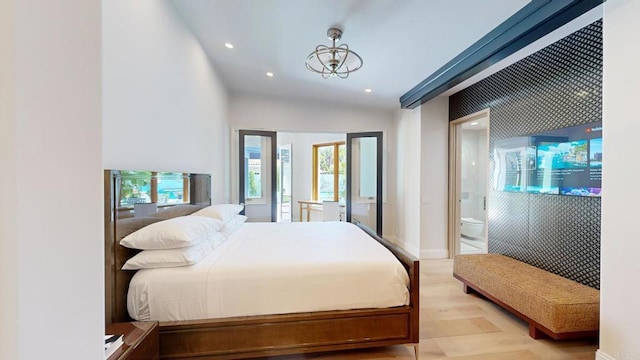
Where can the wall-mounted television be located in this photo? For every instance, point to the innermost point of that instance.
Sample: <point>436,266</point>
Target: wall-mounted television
<point>565,161</point>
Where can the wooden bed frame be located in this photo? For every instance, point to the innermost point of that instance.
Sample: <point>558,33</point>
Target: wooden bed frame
<point>262,336</point>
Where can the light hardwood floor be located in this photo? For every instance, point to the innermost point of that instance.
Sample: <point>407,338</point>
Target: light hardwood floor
<point>454,325</point>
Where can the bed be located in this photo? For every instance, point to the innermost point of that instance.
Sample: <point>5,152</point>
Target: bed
<point>270,330</point>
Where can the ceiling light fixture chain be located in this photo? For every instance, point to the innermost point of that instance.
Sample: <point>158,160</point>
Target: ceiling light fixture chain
<point>331,61</point>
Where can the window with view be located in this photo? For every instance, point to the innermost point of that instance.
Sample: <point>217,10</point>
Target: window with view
<point>329,171</point>
<point>162,188</point>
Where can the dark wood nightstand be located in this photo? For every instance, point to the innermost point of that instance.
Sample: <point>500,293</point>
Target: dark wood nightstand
<point>141,340</point>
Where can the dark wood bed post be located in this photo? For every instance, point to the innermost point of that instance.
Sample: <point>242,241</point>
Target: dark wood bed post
<point>116,280</point>
<point>412,265</point>
<point>270,335</point>
<point>109,259</point>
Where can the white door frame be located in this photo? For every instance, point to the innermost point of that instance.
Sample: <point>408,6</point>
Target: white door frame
<point>453,223</point>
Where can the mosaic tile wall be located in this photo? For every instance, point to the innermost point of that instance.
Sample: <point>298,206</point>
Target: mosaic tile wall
<point>556,87</point>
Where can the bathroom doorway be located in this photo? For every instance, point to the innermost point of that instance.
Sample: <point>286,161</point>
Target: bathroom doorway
<point>468,174</point>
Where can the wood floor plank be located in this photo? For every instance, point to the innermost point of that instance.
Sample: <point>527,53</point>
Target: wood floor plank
<point>455,325</point>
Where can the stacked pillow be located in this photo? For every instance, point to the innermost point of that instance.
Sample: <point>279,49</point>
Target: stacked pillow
<point>182,240</point>
<point>229,214</point>
<point>178,241</point>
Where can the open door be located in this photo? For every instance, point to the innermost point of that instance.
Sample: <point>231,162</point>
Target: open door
<point>257,174</point>
<point>364,179</point>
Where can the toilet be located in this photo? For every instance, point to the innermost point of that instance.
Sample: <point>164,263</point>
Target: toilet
<point>471,227</point>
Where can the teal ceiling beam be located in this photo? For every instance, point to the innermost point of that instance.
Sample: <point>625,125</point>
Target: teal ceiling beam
<point>535,20</point>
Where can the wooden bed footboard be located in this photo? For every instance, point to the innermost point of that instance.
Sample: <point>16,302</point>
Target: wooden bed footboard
<point>259,336</point>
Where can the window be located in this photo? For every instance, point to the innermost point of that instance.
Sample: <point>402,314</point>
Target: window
<point>162,188</point>
<point>329,171</point>
<point>256,160</point>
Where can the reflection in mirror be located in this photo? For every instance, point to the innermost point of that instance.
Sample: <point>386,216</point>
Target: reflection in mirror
<point>364,179</point>
<point>161,188</point>
<point>146,191</point>
<point>257,174</point>
<point>367,168</point>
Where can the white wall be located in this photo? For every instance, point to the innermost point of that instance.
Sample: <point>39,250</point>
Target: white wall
<point>422,173</point>
<point>9,291</point>
<point>434,178</point>
<point>619,312</point>
<point>271,113</point>
<point>165,108</point>
<point>409,162</point>
<point>52,280</point>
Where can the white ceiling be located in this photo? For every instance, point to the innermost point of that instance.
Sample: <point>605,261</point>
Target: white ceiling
<point>401,42</point>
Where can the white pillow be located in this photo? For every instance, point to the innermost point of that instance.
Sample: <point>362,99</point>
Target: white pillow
<point>224,212</point>
<point>151,259</point>
<point>173,233</point>
<point>233,224</point>
<point>217,238</point>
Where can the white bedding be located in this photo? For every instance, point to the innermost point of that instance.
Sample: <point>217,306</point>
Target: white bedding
<point>275,268</point>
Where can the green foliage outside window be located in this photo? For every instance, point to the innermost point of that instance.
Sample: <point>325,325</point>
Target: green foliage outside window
<point>326,176</point>
<point>133,185</point>
<point>254,190</point>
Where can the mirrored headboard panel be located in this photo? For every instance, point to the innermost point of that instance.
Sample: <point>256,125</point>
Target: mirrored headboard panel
<point>133,199</point>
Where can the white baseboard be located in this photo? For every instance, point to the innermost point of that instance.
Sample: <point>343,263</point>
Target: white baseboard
<point>414,250</point>
<point>411,248</point>
<point>602,356</point>
<point>434,254</point>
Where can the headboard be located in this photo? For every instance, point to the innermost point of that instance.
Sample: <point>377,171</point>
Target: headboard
<point>180,194</point>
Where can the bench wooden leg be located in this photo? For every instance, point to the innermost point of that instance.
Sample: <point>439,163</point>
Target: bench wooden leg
<point>536,333</point>
<point>468,289</point>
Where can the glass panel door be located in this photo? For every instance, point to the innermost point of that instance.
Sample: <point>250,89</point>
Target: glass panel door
<point>284,183</point>
<point>364,179</point>
<point>257,174</point>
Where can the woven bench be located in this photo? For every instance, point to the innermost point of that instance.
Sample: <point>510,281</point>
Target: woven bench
<point>553,306</point>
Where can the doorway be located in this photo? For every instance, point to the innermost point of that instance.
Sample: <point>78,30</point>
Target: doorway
<point>290,176</point>
<point>468,174</point>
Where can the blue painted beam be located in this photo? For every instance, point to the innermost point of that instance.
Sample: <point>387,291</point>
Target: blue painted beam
<point>535,20</point>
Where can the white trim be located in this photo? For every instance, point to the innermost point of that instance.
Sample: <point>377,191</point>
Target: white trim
<point>411,248</point>
<point>434,254</point>
<point>600,355</point>
<point>475,116</point>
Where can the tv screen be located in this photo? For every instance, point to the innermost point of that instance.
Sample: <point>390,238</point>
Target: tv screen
<point>565,161</point>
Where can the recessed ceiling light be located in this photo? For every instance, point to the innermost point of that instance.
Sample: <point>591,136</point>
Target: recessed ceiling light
<point>474,123</point>
<point>228,45</point>
<point>269,74</point>
<point>368,90</point>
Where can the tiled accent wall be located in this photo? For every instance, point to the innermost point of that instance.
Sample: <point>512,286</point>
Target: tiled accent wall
<point>558,86</point>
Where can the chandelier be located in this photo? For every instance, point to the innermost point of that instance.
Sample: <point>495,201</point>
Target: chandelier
<point>335,60</point>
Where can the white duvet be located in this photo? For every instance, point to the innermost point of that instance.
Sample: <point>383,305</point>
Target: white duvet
<point>275,268</point>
